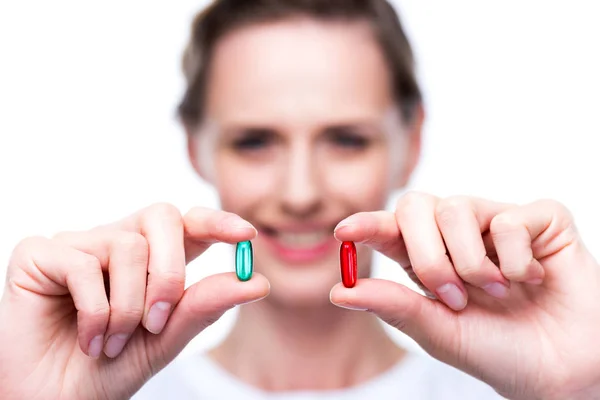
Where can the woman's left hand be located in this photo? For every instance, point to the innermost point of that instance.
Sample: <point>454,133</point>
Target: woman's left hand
<point>517,292</point>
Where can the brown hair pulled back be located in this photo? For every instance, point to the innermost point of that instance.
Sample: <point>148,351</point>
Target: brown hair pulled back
<point>224,16</point>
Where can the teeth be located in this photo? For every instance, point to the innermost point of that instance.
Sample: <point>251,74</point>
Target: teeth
<point>302,239</point>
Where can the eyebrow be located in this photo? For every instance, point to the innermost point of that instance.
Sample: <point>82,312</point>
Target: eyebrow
<point>238,129</point>
<point>361,127</point>
<point>368,126</point>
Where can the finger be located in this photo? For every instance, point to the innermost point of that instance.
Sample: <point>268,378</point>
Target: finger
<point>128,269</point>
<point>48,267</point>
<point>202,304</point>
<point>524,235</point>
<point>425,320</point>
<point>204,226</point>
<point>378,230</point>
<point>461,231</point>
<point>162,226</point>
<point>125,256</point>
<point>415,215</point>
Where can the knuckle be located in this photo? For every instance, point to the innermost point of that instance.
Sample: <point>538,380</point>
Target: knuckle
<point>410,200</point>
<point>121,314</point>
<point>410,197</point>
<point>195,213</point>
<point>503,224</point>
<point>550,204</point>
<point>22,257</point>
<point>84,272</point>
<point>169,282</point>
<point>132,242</point>
<point>556,208</point>
<point>469,271</point>
<point>64,236</point>
<point>513,272</point>
<point>98,311</point>
<point>531,269</point>
<point>516,270</point>
<point>89,263</point>
<point>447,210</point>
<point>164,210</point>
<point>24,246</point>
<point>460,202</point>
<point>173,279</point>
<point>428,269</point>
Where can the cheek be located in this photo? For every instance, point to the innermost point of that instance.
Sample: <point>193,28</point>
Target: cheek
<point>363,183</point>
<point>241,187</point>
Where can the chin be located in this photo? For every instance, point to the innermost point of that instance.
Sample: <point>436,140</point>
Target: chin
<point>301,288</point>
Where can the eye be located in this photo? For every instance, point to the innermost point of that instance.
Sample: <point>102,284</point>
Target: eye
<point>253,139</point>
<point>348,138</point>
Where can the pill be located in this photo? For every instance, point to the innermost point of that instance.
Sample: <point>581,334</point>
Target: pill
<point>348,264</point>
<point>243,260</point>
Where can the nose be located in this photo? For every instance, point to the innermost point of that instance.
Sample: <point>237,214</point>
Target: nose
<point>301,194</point>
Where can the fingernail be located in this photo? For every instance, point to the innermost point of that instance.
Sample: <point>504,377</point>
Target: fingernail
<point>349,307</point>
<point>251,301</point>
<point>496,289</point>
<point>115,344</point>
<point>343,224</point>
<point>345,305</point>
<point>240,224</point>
<point>157,317</point>
<point>340,228</point>
<point>452,296</point>
<point>95,347</point>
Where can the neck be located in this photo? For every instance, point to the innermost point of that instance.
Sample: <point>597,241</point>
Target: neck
<point>276,348</point>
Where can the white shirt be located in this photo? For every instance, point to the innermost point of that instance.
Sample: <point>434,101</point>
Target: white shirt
<point>416,377</point>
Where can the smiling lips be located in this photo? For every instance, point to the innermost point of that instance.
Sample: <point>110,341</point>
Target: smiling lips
<point>299,247</point>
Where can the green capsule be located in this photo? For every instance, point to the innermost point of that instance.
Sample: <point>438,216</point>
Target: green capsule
<point>244,260</point>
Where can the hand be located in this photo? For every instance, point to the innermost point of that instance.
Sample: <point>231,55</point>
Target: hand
<point>64,337</point>
<point>517,292</point>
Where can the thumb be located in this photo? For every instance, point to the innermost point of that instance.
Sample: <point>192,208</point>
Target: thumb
<point>203,304</point>
<point>427,321</point>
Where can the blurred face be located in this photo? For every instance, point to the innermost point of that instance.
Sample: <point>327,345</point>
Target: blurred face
<point>300,132</point>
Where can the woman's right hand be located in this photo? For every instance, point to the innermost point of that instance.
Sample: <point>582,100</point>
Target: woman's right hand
<point>95,314</point>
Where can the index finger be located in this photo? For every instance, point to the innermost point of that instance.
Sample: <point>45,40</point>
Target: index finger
<point>378,230</point>
<point>204,226</point>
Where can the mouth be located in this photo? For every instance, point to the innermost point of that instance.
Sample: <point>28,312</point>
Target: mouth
<point>299,244</point>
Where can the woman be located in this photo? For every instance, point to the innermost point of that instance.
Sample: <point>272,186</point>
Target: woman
<point>305,116</point>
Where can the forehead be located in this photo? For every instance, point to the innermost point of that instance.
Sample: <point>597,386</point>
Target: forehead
<point>298,70</point>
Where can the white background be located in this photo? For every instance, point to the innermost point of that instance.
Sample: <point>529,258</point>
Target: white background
<point>88,92</point>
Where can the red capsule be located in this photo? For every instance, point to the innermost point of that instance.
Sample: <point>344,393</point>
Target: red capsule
<point>348,264</point>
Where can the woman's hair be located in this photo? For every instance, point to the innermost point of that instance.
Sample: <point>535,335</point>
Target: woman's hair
<point>223,16</point>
